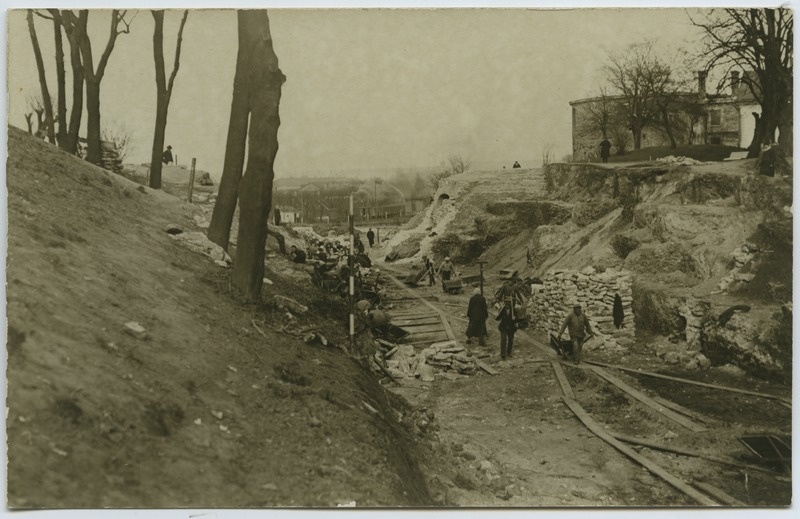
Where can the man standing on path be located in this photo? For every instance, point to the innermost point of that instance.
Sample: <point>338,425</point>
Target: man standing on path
<point>578,326</point>
<point>371,237</point>
<point>507,327</point>
<point>426,261</point>
<point>477,313</point>
<point>605,150</point>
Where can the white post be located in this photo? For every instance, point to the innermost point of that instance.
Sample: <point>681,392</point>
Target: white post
<point>351,263</point>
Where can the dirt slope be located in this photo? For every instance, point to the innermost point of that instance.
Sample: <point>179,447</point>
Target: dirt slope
<point>206,411</point>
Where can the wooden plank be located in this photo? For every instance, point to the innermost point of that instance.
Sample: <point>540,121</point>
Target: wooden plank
<point>425,328</point>
<point>686,452</point>
<point>646,400</point>
<point>598,430</point>
<point>413,322</point>
<point>719,495</point>
<point>424,341</point>
<point>562,380</point>
<point>680,409</point>
<point>446,324</point>
<point>485,367</point>
<point>694,383</point>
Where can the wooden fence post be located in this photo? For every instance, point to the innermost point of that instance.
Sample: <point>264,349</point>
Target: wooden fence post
<point>191,182</point>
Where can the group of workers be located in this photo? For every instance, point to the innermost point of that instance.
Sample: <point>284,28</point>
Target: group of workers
<point>511,314</point>
<point>445,271</point>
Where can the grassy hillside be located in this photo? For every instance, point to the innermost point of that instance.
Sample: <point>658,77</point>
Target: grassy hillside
<point>215,407</point>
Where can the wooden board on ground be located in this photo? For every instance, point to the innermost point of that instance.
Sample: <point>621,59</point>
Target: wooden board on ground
<point>680,409</point>
<point>598,430</point>
<point>719,494</point>
<point>417,322</point>
<point>686,452</point>
<point>485,367</point>
<point>562,379</point>
<point>695,383</point>
<point>649,402</point>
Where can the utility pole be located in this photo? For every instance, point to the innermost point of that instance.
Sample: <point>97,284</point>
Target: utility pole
<point>481,263</point>
<point>351,265</point>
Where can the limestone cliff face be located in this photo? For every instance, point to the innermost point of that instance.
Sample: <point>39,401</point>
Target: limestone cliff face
<point>694,239</point>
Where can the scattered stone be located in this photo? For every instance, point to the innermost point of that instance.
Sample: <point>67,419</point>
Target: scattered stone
<point>290,304</point>
<point>217,414</point>
<point>671,357</point>
<point>703,361</point>
<point>269,486</point>
<point>486,465</point>
<point>467,455</point>
<point>136,329</point>
<point>464,481</point>
<point>425,372</point>
<point>199,243</point>
<point>199,421</point>
<point>314,421</point>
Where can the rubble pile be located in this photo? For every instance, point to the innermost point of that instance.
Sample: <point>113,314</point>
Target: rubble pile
<point>402,361</point>
<point>672,159</point>
<point>594,291</point>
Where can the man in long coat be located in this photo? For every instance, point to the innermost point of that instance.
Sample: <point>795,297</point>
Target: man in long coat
<point>477,312</point>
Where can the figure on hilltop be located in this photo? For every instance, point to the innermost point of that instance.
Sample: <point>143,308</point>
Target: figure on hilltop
<point>166,157</point>
<point>605,150</point>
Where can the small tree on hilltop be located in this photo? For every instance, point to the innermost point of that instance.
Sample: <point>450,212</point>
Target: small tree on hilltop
<point>458,164</point>
<point>120,136</point>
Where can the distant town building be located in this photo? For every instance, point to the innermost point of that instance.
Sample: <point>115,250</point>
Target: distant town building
<point>704,118</point>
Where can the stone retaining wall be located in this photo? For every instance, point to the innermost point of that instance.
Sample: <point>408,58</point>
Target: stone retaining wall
<point>595,291</point>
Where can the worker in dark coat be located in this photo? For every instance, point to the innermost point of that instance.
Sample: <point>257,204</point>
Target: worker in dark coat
<point>477,313</point>
<point>605,150</point>
<point>428,264</point>
<point>371,237</point>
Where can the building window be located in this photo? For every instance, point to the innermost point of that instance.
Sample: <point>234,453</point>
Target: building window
<point>715,117</point>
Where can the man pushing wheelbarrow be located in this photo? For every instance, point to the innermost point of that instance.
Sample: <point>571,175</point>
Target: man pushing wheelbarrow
<point>579,331</point>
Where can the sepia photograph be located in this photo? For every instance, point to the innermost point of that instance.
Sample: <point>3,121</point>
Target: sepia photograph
<point>413,258</point>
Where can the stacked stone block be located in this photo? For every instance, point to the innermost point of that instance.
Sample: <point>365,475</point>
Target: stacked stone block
<point>594,291</point>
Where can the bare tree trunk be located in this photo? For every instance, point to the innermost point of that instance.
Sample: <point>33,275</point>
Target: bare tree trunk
<point>668,128</point>
<point>48,104</point>
<point>256,187</point>
<point>61,116</point>
<point>754,150</point>
<point>637,137</point>
<point>93,153</point>
<point>93,78</point>
<point>29,120</point>
<point>219,229</point>
<point>163,92</point>
<point>75,27</point>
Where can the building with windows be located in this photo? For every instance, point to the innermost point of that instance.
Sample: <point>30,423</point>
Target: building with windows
<point>702,118</point>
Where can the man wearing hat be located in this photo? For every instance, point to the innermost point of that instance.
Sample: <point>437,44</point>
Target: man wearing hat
<point>166,157</point>
<point>578,326</point>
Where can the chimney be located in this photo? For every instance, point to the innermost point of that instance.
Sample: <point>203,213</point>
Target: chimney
<point>701,82</point>
<point>734,81</point>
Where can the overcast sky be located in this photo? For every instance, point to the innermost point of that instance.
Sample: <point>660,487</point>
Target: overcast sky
<point>366,88</point>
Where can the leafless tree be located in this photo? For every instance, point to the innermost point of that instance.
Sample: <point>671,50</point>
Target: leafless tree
<point>643,79</point>
<point>458,164</point>
<point>29,120</point>
<point>47,103</point>
<point>256,99</point>
<point>547,154</point>
<point>94,76</point>
<point>601,111</point>
<point>75,27</point>
<point>163,91</point>
<point>761,41</point>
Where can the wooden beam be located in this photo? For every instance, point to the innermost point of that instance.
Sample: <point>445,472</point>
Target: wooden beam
<point>686,452</point>
<point>562,380</point>
<point>649,402</point>
<point>719,494</point>
<point>598,430</point>
<point>694,383</point>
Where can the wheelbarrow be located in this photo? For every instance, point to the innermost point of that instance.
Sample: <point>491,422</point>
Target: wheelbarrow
<point>561,346</point>
<point>453,286</point>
